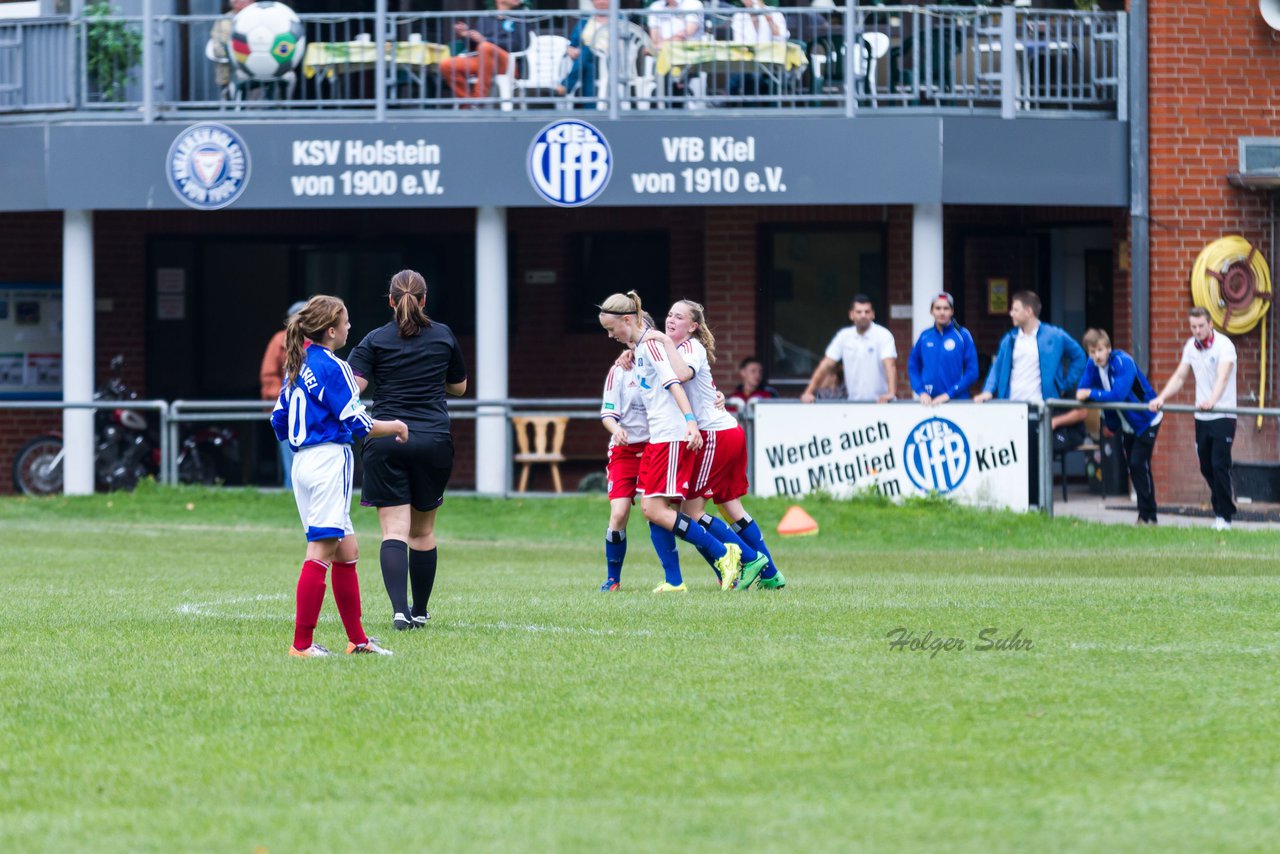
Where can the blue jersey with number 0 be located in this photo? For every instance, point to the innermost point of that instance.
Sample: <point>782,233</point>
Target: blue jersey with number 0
<point>323,405</point>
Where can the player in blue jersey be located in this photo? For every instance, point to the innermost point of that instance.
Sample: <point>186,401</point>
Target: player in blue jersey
<point>413,363</point>
<point>318,412</point>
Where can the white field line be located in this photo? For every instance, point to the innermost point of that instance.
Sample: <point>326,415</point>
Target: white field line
<point>1207,648</point>
<point>223,609</point>
<point>218,609</point>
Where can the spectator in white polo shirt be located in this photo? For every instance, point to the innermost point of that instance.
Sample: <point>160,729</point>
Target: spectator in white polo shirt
<point>868,354</point>
<point>1211,358</point>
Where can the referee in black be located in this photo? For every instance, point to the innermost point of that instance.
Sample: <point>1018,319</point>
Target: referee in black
<point>412,362</point>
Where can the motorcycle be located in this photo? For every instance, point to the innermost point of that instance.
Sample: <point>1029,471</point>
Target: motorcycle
<point>126,450</point>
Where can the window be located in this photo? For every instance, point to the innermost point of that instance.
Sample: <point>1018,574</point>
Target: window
<point>810,275</point>
<point>609,262</point>
<point>213,303</point>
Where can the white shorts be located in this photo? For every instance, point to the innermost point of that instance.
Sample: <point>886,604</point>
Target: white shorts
<point>322,487</point>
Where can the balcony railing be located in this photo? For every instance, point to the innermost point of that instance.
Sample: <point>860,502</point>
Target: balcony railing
<point>785,61</point>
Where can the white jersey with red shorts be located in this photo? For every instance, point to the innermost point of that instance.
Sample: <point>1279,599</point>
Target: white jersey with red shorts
<point>622,402</point>
<point>720,466</point>
<point>667,464</point>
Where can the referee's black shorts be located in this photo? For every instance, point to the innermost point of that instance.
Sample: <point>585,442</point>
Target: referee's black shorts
<point>415,472</point>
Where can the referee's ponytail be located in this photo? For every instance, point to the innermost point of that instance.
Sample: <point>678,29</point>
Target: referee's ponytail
<point>408,293</point>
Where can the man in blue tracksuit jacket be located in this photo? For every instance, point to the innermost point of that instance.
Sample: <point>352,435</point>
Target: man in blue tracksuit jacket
<point>944,362</point>
<point>1036,361</point>
<point>1113,377</point>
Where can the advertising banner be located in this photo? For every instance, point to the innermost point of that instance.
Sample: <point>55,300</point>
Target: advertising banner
<point>972,453</point>
<point>522,160</point>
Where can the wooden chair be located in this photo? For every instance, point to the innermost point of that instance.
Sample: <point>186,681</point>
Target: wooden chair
<point>544,449</point>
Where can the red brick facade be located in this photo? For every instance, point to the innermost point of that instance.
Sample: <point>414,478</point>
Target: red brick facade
<point>1198,112</point>
<point>714,258</point>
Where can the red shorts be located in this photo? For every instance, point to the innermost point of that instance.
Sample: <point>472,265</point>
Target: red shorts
<point>665,470</point>
<point>720,468</point>
<point>624,469</point>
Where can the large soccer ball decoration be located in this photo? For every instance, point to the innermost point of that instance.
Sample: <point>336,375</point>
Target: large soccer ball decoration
<point>267,40</point>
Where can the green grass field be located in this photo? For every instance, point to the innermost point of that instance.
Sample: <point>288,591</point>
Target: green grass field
<point>147,704</point>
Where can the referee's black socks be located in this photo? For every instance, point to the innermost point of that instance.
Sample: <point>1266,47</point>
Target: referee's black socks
<point>394,558</point>
<point>422,576</point>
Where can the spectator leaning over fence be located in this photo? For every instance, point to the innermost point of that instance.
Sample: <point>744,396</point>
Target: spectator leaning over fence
<point>944,362</point>
<point>216,49</point>
<point>1211,358</point>
<point>868,353</point>
<point>494,38</point>
<point>1113,377</point>
<point>1037,361</point>
<point>752,387</point>
<point>271,378</point>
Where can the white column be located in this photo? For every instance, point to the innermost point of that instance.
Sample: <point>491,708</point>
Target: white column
<point>492,434</point>
<point>926,264</point>
<point>77,350</point>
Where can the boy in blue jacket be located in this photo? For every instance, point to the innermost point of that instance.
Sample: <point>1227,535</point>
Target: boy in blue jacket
<point>1113,377</point>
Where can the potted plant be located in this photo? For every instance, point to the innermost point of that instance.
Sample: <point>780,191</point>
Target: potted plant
<point>112,51</point>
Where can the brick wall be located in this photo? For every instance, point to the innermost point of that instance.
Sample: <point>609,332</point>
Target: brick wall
<point>30,251</point>
<point>713,258</point>
<point>1198,111</point>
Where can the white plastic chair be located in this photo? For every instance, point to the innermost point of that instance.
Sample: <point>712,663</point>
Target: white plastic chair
<point>546,62</point>
<point>639,82</point>
<point>872,47</point>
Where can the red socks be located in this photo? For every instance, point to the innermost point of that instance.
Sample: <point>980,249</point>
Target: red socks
<point>346,592</point>
<point>310,600</point>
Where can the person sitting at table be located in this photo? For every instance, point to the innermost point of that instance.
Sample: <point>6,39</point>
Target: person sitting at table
<point>581,40</point>
<point>495,38</point>
<point>669,28</point>
<point>755,28</point>
<point>666,26</point>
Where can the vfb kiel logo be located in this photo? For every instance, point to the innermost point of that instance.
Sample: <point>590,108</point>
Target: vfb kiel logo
<point>208,166</point>
<point>936,455</point>
<point>570,163</point>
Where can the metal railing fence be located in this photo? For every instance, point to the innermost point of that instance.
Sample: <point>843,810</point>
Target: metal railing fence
<point>160,406</point>
<point>842,59</point>
<point>172,415</point>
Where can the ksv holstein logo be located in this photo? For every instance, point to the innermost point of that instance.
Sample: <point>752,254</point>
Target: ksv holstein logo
<point>936,455</point>
<point>570,163</point>
<point>208,166</point>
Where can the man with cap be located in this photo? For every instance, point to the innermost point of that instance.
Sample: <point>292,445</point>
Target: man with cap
<point>271,378</point>
<point>944,362</point>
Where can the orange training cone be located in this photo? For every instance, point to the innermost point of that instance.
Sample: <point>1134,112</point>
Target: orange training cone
<point>796,522</point>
